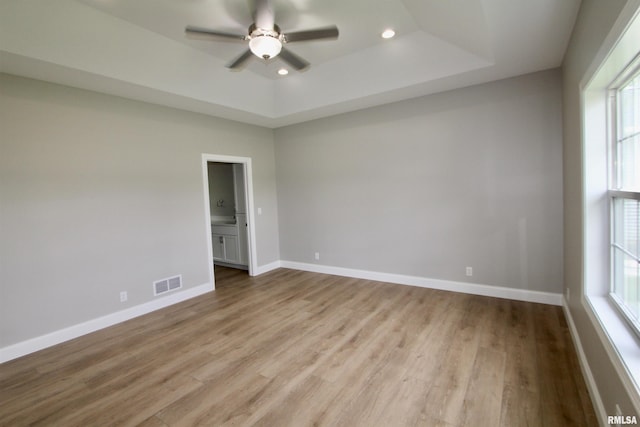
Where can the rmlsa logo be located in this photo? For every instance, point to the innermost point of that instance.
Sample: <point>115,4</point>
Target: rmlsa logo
<point>620,420</point>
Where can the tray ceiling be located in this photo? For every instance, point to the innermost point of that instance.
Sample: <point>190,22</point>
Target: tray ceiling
<point>138,49</point>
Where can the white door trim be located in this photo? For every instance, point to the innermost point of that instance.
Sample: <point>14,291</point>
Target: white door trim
<point>248,182</point>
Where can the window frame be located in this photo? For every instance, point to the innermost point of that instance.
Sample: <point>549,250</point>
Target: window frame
<point>614,192</point>
<point>621,345</point>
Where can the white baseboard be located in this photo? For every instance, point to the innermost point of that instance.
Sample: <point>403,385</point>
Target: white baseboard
<point>32,345</point>
<point>596,399</point>
<point>423,282</point>
<point>267,268</point>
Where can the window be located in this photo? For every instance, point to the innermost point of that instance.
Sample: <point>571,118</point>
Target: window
<point>624,194</point>
<point>609,98</point>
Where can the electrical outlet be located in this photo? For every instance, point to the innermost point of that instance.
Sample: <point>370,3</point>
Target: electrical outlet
<point>317,256</point>
<point>568,294</point>
<point>123,296</point>
<point>469,271</point>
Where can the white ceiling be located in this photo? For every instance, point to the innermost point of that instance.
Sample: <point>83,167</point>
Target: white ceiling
<point>137,49</point>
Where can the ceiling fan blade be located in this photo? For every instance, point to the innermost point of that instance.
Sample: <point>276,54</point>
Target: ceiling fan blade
<point>199,33</point>
<point>292,59</point>
<point>263,14</point>
<point>316,34</point>
<point>240,60</point>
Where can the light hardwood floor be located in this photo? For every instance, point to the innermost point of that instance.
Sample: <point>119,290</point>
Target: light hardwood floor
<point>291,348</point>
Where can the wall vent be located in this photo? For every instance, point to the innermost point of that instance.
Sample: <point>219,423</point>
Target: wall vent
<point>166,285</point>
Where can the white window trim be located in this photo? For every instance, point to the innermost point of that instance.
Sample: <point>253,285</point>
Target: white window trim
<point>621,342</point>
<point>629,71</point>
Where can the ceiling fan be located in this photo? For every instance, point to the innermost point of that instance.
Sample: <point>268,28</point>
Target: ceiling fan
<point>265,38</point>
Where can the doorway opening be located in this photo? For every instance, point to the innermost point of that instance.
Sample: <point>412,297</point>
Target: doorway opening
<point>228,194</point>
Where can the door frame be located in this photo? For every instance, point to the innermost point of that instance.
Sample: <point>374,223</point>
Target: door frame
<point>248,184</point>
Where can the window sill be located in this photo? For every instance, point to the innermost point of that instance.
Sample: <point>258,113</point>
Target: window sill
<point>624,345</point>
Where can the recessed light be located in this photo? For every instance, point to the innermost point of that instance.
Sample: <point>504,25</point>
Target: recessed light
<point>388,33</point>
<point>283,71</point>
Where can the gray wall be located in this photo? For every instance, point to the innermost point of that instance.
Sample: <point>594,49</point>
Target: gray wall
<point>594,22</point>
<point>426,187</point>
<point>221,188</point>
<point>99,194</point>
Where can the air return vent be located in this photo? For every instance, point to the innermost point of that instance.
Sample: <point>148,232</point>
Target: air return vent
<point>166,285</point>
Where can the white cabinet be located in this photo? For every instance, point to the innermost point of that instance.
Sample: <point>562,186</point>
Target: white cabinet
<point>217,242</point>
<point>243,239</point>
<point>225,248</point>
<point>231,249</point>
<point>224,239</point>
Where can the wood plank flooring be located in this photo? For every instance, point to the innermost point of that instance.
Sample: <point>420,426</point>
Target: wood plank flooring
<point>291,348</point>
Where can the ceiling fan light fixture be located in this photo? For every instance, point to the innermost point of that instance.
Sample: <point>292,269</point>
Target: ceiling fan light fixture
<point>265,46</point>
